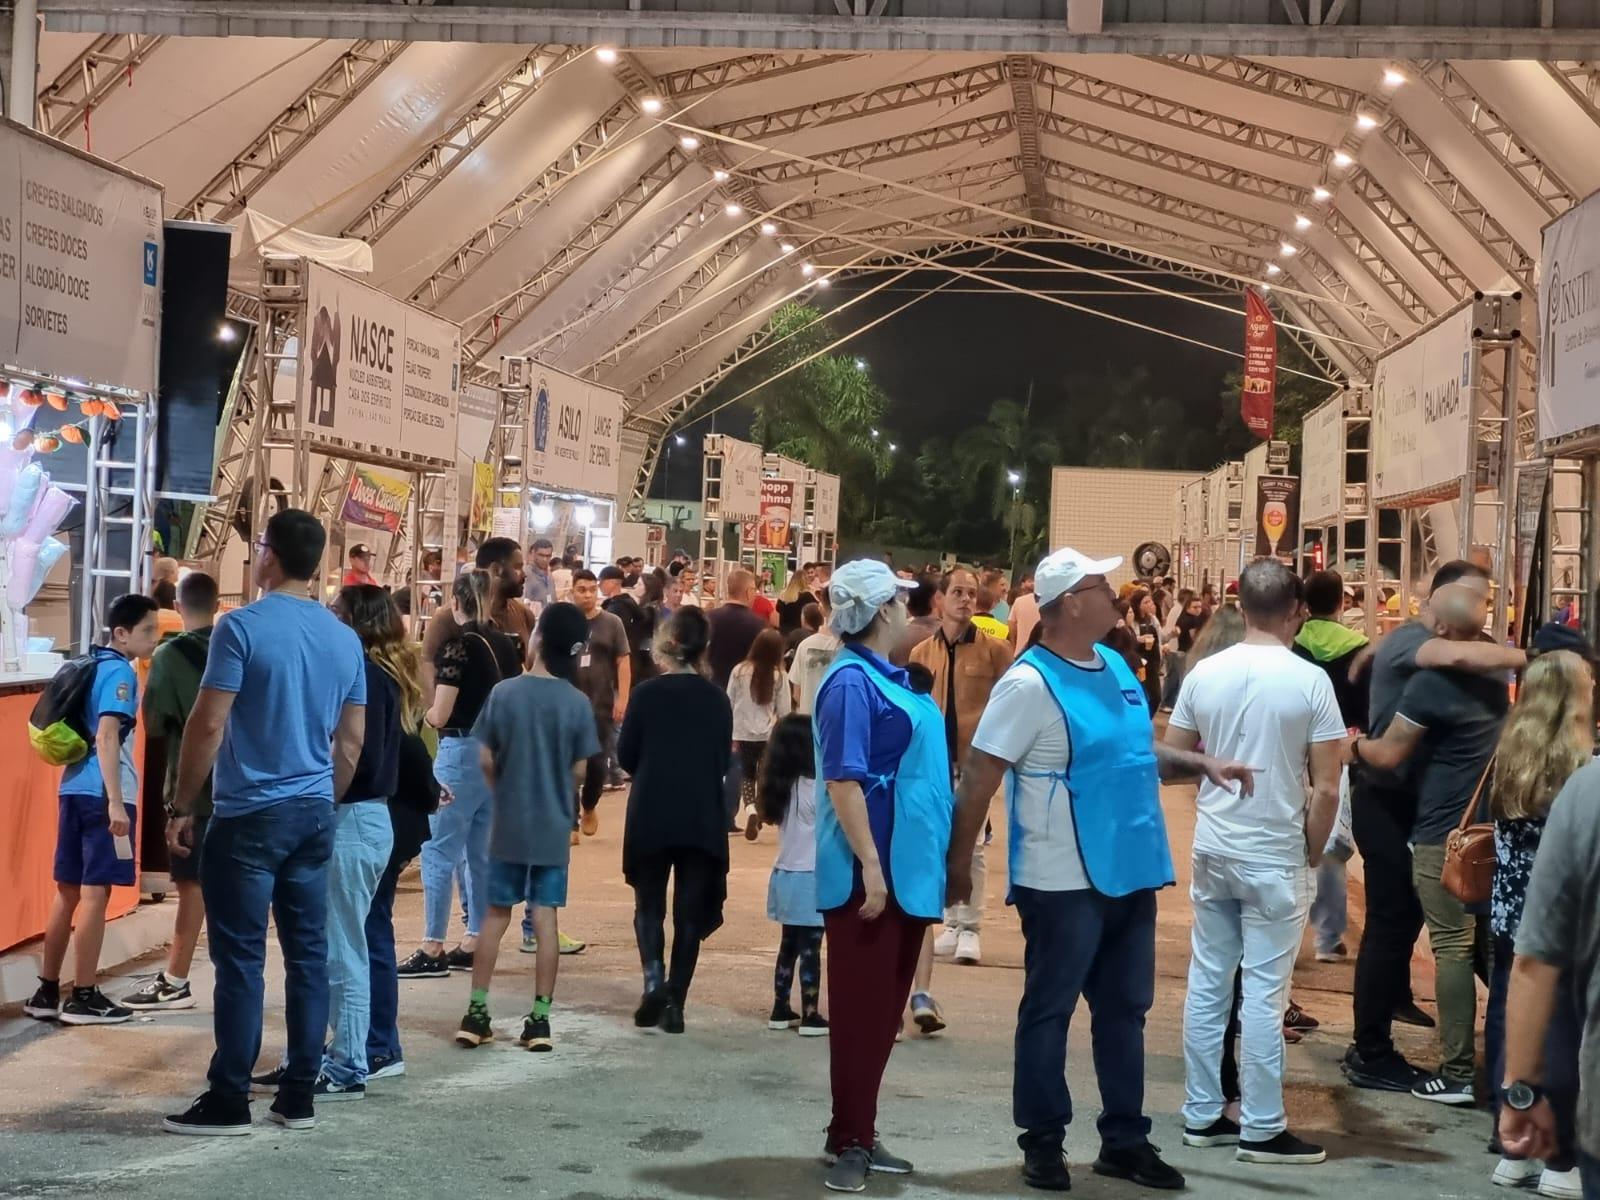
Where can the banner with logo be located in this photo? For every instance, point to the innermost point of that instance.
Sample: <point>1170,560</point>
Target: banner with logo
<point>375,499</point>
<point>777,513</point>
<point>1219,517</point>
<point>1277,516</point>
<point>80,264</point>
<point>376,371</point>
<point>1321,466</point>
<point>1419,411</point>
<point>574,434</point>
<point>1569,323</point>
<point>741,480</point>
<point>1533,480</point>
<point>825,503</point>
<point>478,412</point>
<point>481,512</point>
<point>1258,393</point>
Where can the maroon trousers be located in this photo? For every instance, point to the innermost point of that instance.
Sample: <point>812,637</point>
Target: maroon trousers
<point>870,968</point>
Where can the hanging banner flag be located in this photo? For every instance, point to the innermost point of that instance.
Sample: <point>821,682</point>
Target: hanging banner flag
<point>1277,516</point>
<point>1259,392</point>
<point>482,511</point>
<point>777,511</point>
<point>375,499</point>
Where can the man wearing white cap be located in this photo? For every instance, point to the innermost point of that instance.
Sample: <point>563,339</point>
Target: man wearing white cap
<point>1069,728</point>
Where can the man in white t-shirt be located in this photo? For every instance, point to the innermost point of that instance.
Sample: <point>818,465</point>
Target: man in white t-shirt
<point>812,658</point>
<point>1262,704</point>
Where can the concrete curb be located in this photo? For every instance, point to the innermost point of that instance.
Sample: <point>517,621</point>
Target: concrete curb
<point>130,936</point>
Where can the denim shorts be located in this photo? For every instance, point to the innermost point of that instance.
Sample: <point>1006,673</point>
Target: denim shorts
<point>512,883</point>
<point>86,853</point>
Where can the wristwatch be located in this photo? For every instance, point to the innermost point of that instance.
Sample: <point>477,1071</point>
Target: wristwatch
<point>1522,1095</point>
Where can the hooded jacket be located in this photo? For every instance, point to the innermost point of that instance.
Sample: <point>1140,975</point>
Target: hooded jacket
<point>1333,648</point>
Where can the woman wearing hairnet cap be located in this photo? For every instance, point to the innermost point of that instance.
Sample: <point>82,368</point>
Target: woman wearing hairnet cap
<point>883,829</point>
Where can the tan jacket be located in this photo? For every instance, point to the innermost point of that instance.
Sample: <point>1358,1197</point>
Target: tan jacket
<point>980,660</point>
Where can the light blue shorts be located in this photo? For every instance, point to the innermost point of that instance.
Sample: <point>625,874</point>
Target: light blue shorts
<point>512,883</point>
<point>792,898</point>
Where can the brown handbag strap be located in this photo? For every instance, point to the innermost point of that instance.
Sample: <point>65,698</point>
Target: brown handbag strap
<point>1477,794</point>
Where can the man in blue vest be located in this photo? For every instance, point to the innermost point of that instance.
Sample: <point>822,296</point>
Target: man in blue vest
<point>1068,728</point>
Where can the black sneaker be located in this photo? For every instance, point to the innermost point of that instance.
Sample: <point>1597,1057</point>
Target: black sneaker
<point>1142,1164</point>
<point>783,1017</point>
<point>327,1089</point>
<point>1409,1014</point>
<point>1044,1166</point>
<point>91,1007</point>
<point>211,1116</point>
<point>813,1025</point>
<point>381,1066</point>
<point>1284,1149</point>
<point>422,965</point>
<point>45,1003</point>
<point>1391,1073</point>
<point>268,1082</point>
<point>672,1018</point>
<point>651,1005</point>
<point>1436,1087</point>
<point>880,1161</point>
<point>160,994</point>
<point>849,1171</point>
<point>475,1029</point>
<point>458,959</point>
<point>536,1035</point>
<point>293,1110</point>
<point>1221,1132</point>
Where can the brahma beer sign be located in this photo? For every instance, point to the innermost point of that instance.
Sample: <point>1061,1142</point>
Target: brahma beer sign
<point>574,434</point>
<point>376,371</point>
<point>1259,390</point>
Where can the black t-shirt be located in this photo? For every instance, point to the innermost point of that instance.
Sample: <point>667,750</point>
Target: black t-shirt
<point>734,629</point>
<point>790,611</point>
<point>472,662</point>
<point>639,624</point>
<point>1189,625</point>
<point>377,773</point>
<point>1393,665</point>
<point>1462,715</point>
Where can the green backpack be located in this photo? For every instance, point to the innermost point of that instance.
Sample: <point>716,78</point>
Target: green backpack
<point>56,728</point>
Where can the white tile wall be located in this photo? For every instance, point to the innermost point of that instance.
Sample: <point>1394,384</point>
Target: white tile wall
<point>1109,511</point>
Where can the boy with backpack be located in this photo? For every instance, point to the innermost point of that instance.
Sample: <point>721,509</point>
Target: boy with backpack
<point>95,830</point>
<point>169,694</point>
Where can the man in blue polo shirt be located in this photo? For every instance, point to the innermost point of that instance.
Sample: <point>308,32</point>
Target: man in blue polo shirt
<point>1069,728</point>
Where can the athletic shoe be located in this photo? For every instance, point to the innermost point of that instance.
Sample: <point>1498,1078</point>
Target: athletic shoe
<point>381,1067</point>
<point>1295,1017</point>
<point>1044,1167</point>
<point>1285,1149</point>
<point>945,944</point>
<point>1221,1132</point>
<point>475,1029</point>
<point>1142,1164</point>
<point>1517,1173</point>
<point>814,1025</point>
<point>536,1034</point>
<point>422,965</point>
<point>327,1089</point>
<point>849,1171</point>
<point>160,994</point>
<point>45,1003</point>
<point>1561,1185</point>
<point>926,1013</point>
<point>651,1005</point>
<point>672,1018</point>
<point>1409,1014</point>
<point>458,959</point>
<point>570,945</point>
<point>1436,1088</point>
<point>589,822</point>
<point>1292,1037</point>
<point>530,945</point>
<point>968,952</point>
<point>783,1017</point>
<point>752,826</point>
<point>211,1116</point>
<point>1338,953</point>
<point>1389,1074</point>
<point>293,1110</point>
<point>93,1008</point>
<point>268,1082</point>
<point>879,1160</point>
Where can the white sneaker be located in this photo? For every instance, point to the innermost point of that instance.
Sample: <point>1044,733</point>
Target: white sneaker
<point>967,950</point>
<point>945,944</point>
<point>1564,1185</point>
<point>1516,1172</point>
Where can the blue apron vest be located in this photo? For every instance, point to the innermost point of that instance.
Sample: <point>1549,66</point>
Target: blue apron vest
<point>1110,774</point>
<point>923,808</point>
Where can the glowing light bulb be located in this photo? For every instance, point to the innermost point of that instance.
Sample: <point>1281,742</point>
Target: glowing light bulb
<point>768,228</point>
<point>689,142</point>
<point>720,175</point>
<point>733,210</point>
<point>786,247</point>
<point>1274,269</point>
<point>1366,121</point>
<point>807,269</point>
<point>1301,221</point>
<point>1320,194</point>
<point>607,55</point>
<point>1287,250</point>
<point>1341,158</point>
<point>1393,78</point>
<point>650,104</point>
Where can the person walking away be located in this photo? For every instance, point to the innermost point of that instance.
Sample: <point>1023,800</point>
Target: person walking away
<point>924,623</point>
<point>760,697</point>
<point>1024,615</point>
<point>883,831</point>
<point>965,664</point>
<point>1383,810</point>
<point>96,823</point>
<point>788,799</point>
<point>605,675</point>
<point>1178,632</point>
<point>639,626</point>
<point>175,671</point>
<point>1548,737</point>
<point>1088,851</point>
<point>1251,883</point>
<point>987,600</point>
<point>792,601</point>
<point>812,658</point>
<point>1454,720</point>
<point>734,628</point>
<point>536,737</point>
<point>281,717</point>
<point>475,658</point>
<point>677,742</point>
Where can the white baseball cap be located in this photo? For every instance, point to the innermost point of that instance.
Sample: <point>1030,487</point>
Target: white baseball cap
<point>1067,568</point>
<point>858,589</point>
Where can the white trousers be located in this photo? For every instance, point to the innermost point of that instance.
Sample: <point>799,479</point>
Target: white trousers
<point>970,915</point>
<point>1249,918</point>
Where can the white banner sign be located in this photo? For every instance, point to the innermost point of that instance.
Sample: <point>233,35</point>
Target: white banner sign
<point>80,265</point>
<point>377,371</point>
<point>825,503</point>
<point>1419,410</point>
<point>741,481</point>
<point>1194,511</point>
<point>479,410</point>
<point>1321,471</point>
<point>574,435</point>
<point>1217,502</point>
<point>1569,322</point>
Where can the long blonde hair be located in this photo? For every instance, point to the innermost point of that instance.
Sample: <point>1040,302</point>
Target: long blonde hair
<point>371,612</point>
<point>1548,736</point>
<point>1223,629</point>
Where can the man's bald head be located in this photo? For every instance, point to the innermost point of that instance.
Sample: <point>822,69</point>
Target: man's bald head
<point>741,586</point>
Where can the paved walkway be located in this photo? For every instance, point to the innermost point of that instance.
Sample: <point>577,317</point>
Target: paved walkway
<point>726,1111</point>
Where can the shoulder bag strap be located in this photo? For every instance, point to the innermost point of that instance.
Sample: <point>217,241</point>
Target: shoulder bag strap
<point>1477,794</point>
<point>494,660</point>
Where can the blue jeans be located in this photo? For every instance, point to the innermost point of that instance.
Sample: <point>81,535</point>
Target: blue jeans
<point>1330,909</point>
<point>1589,1173</point>
<point>460,835</point>
<point>276,858</point>
<point>1560,1052</point>
<point>1103,948</point>
<point>362,840</point>
<point>383,1032</point>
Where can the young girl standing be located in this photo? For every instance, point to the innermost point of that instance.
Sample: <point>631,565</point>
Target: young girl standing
<point>789,801</point>
<point>759,693</point>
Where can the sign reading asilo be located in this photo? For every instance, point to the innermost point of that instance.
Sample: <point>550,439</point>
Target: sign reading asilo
<point>574,434</point>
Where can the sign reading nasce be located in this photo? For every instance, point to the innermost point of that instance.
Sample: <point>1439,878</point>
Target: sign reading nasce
<point>574,434</point>
<point>80,265</point>
<point>1569,322</point>
<point>1419,410</point>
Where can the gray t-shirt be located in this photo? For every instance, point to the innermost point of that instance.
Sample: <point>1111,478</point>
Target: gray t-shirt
<point>537,728</point>
<point>597,669</point>
<point>1462,715</point>
<point>1559,925</point>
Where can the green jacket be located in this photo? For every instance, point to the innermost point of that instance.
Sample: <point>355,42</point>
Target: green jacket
<point>174,684</point>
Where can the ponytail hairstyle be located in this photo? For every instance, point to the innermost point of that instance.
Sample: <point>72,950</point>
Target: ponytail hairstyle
<point>789,757</point>
<point>685,640</point>
<point>471,592</point>
<point>561,638</point>
<point>371,612</point>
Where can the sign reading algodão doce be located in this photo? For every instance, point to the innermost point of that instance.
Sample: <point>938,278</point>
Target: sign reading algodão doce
<point>376,371</point>
<point>574,430</point>
<point>1569,323</point>
<point>1321,472</point>
<point>80,265</point>
<point>1420,405</point>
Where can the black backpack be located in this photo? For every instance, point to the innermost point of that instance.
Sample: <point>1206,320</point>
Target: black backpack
<point>56,727</point>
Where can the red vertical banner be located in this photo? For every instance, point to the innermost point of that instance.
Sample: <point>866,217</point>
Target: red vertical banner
<point>1259,392</point>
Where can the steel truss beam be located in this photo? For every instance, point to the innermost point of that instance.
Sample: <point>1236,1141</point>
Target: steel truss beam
<point>1321,345</point>
<point>1160,202</point>
<point>494,106</point>
<point>981,129</point>
<point>1581,81</point>
<point>750,68</point>
<point>1268,80</point>
<point>938,221</point>
<point>79,89</point>
<point>1364,184</point>
<point>1338,287</point>
<point>226,196</point>
<point>1377,266</point>
<point>949,182</point>
<point>1020,70</point>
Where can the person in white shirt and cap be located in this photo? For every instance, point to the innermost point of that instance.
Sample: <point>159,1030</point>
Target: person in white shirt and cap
<point>1069,729</point>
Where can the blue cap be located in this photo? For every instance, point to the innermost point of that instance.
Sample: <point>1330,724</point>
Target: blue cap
<point>858,589</point>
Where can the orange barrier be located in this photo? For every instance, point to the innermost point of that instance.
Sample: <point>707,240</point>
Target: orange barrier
<point>28,790</point>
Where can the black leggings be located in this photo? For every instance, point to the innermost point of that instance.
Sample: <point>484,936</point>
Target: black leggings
<point>696,876</point>
<point>594,780</point>
<point>750,769</point>
<point>802,944</point>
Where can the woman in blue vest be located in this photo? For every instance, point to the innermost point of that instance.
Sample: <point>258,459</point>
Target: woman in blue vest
<point>883,830</point>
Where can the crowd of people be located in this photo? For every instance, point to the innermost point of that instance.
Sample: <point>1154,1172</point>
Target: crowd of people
<point>881,721</point>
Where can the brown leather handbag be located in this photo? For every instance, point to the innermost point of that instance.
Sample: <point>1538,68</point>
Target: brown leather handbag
<point>1468,871</point>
